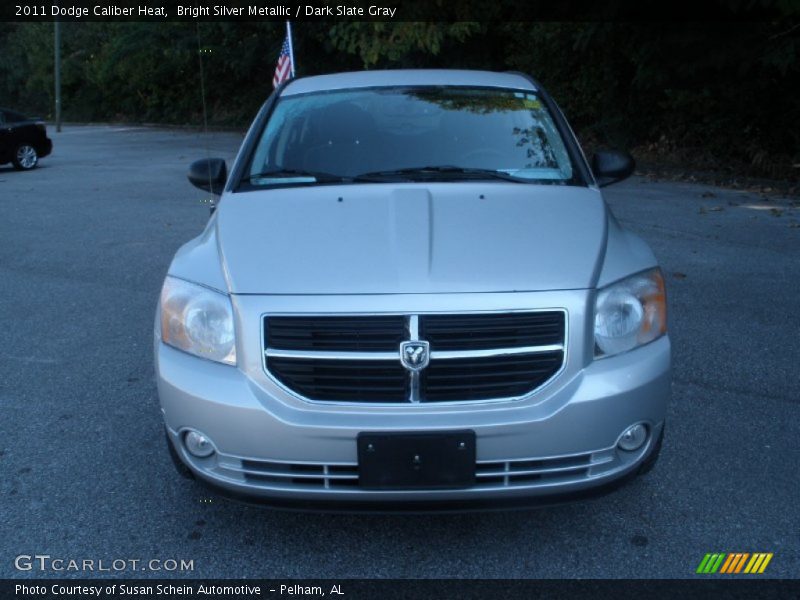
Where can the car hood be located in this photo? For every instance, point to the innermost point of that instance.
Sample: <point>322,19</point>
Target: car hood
<point>411,238</point>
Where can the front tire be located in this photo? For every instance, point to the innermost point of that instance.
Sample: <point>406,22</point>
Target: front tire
<point>25,157</point>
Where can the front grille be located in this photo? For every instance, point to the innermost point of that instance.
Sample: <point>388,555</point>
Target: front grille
<point>298,475</point>
<point>489,474</point>
<point>479,332</point>
<point>342,380</point>
<point>279,474</point>
<point>526,472</point>
<point>488,377</point>
<point>472,356</point>
<point>336,333</point>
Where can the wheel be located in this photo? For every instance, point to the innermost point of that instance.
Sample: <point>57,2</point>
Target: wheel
<point>651,460</point>
<point>25,157</point>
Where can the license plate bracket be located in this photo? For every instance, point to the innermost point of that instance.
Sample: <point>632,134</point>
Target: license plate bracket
<point>416,461</point>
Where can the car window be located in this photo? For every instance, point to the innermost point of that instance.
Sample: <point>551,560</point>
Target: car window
<point>12,117</point>
<point>2,117</point>
<point>348,133</point>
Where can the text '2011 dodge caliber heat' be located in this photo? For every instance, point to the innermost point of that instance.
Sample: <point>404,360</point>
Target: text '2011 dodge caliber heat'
<point>412,296</point>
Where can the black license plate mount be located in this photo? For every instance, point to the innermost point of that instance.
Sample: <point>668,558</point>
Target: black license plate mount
<point>416,461</point>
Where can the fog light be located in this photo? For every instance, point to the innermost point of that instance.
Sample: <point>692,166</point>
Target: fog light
<point>633,437</point>
<point>198,445</point>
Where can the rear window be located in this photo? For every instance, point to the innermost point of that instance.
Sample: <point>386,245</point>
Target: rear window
<point>347,133</point>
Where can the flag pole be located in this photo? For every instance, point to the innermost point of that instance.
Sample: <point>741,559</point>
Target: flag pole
<point>291,46</point>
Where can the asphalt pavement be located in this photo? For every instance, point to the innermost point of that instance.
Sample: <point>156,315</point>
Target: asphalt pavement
<point>85,241</point>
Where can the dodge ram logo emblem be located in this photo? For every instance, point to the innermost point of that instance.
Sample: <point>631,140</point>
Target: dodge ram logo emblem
<point>414,355</point>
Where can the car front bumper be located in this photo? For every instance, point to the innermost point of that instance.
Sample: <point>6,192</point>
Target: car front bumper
<point>45,147</point>
<point>562,444</point>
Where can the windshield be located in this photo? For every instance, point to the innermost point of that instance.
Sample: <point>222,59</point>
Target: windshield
<point>409,133</point>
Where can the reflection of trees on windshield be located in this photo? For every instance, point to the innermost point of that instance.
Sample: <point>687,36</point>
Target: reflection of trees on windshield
<point>539,151</point>
<point>532,139</point>
<point>475,102</point>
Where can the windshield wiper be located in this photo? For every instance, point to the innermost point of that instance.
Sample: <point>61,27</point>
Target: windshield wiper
<point>409,174</point>
<point>318,176</point>
<point>451,171</point>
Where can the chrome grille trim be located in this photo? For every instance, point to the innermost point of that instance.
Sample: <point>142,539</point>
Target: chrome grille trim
<point>324,475</point>
<point>456,354</point>
<point>412,333</point>
<point>489,474</point>
<point>508,472</point>
<point>435,354</point>
<point>331,355</point>
<point>289,475</point>
<point>414,380</point>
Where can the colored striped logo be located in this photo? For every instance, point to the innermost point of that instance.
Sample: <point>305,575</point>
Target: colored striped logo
<point>734,562</point>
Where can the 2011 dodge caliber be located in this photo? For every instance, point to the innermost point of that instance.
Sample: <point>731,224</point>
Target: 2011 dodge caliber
<point>412,295</point>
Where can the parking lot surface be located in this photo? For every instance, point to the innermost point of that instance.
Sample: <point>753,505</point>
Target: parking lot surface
<point>85,241</point>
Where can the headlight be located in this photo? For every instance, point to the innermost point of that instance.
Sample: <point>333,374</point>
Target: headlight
<point>197,320</point>
<point>630,313</point>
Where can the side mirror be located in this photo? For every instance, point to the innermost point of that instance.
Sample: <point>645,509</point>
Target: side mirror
<point>611,166</point>
<point>208,174</point>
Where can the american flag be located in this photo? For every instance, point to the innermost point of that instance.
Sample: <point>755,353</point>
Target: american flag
<point>283,70</point>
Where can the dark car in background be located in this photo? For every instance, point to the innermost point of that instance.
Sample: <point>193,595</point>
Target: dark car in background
<point>23,140</point>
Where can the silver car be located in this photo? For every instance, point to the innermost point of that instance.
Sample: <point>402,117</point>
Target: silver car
<point>412,296</point>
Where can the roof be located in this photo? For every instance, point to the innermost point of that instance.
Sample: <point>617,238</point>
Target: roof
<point>363,79</point>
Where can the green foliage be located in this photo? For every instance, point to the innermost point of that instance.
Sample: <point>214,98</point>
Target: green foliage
<point>397,42</point>
<point>724,90</point>
<point>26,66</point>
